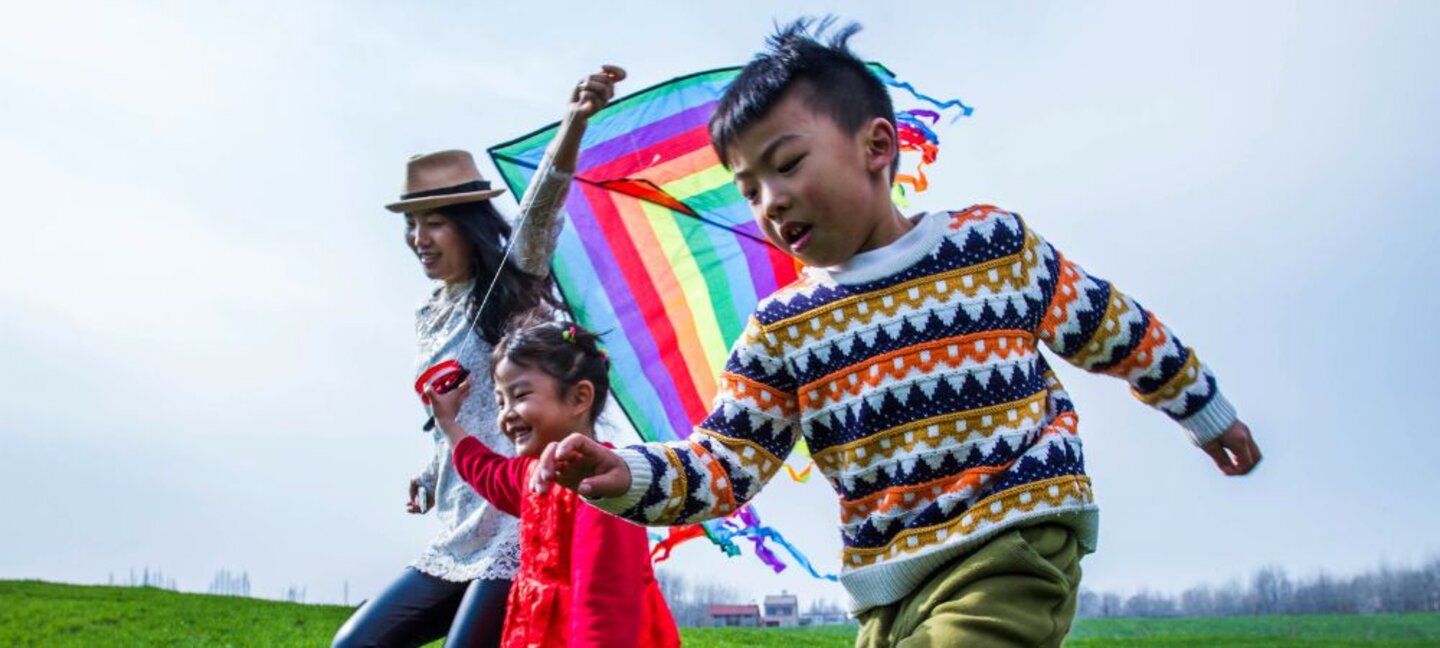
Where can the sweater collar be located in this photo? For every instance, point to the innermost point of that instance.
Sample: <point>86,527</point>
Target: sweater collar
<point>884,261</point>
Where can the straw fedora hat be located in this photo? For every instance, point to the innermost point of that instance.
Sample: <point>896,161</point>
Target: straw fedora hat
<point>440,179</point>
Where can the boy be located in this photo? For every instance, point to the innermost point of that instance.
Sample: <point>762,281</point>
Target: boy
<point>908,357</point>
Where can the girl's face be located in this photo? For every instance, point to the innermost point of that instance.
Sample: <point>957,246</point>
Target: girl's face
<point>442,248</point>
<point>536,410</point>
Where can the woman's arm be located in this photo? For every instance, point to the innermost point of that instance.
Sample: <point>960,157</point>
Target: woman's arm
<point>538,229</point>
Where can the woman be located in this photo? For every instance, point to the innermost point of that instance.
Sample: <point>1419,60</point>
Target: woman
<point>458,586</point>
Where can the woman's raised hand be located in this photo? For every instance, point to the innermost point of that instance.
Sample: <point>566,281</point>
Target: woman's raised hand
<point>595,91</point>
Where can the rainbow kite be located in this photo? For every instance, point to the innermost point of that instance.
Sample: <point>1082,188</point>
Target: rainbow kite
<point>663,258</point>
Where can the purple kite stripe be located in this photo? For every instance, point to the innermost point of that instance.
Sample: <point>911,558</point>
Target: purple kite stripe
<point>627,311</point>
<point>631,141</point>
<point>757,256</point>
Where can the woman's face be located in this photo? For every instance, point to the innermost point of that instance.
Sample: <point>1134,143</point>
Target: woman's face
<point>442,248</point>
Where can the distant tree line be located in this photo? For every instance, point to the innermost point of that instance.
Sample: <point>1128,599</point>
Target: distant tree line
<point>146,578</point>
<point>1271,591</point>
<point>824,607</point>
<point>224,583</point>
<point>293,594</point>
<point>690,602</point>
<point>227,584</point>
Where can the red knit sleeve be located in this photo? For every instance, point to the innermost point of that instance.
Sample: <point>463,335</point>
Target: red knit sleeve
<point>608,565</point>
<point>496,477</point>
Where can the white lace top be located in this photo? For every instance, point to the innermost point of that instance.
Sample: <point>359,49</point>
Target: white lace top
<point>477,541</point>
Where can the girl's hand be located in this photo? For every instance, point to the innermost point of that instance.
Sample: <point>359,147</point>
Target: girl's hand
<point>595,91</point>
<point>446,406</point>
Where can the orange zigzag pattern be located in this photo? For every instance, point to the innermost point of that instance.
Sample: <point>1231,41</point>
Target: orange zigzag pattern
<point>764,396</point>
<point>975,214</point>
<point>889,499</point>
<point>1066,293</point>
<point>1024,498</point>
<point>900,363</point>
<point>1142,357</point>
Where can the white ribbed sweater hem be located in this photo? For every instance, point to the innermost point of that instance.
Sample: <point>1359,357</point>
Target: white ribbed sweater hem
<point>888,582</point>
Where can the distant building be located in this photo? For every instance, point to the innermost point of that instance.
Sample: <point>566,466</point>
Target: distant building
<point>734,616</point>
<point>782,610</point>
<point>832,617</point>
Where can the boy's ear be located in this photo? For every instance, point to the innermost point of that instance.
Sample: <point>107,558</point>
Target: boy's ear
<point>582,396</point>
<point>882,145</point>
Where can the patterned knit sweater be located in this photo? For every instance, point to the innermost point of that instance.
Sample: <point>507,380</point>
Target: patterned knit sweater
<point>915,375</point>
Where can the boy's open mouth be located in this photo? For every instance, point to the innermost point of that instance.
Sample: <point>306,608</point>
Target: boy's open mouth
<point>795,235</point>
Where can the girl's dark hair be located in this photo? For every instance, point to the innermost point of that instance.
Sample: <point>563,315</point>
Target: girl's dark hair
<point>516,291</point>
<point>564,351</point>
<point>836,83</point>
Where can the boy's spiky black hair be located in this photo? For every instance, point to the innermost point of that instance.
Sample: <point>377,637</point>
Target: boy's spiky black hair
<point>836,82</point>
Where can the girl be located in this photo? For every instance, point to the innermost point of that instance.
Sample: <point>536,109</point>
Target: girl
<point>585,577</point>
<point>457,587</point>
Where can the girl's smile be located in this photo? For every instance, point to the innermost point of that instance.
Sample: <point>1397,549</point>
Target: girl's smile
<point>536,409</point>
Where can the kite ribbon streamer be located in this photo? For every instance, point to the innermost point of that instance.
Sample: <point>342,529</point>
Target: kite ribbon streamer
<point>758,533</point>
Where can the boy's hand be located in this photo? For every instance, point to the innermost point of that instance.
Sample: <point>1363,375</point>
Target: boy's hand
<point>1234,451</point>
<point>595,91</point>
<point>446,406</point>
<point>583,465</point>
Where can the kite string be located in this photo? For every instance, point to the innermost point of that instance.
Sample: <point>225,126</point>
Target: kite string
<point>542,170</point>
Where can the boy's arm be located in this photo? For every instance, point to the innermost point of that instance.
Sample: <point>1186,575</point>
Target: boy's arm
<point>721,466</point>
<point>1094,326</point>
<point>608,565</point>
<point>497,478</point>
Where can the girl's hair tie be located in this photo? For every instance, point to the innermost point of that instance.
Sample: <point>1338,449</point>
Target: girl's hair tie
<point>569,335</point>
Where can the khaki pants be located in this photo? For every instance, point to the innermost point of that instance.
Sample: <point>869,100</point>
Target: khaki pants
<point>1018,589</point>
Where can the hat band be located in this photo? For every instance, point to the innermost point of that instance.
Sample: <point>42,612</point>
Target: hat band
<point>467,187</point>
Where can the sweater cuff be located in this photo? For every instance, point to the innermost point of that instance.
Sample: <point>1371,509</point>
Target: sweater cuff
<point>1211,421</point>
<point>640,477</point>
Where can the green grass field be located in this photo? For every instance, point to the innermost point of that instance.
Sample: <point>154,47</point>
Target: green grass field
<point>48,614</point>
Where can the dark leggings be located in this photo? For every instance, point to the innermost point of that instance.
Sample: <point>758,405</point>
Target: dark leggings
<point>419,608</point>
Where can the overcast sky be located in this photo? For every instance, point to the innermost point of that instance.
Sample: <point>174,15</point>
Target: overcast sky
<point>206,315</point>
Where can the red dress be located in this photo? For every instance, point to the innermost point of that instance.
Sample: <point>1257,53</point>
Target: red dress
<point>585,577</point>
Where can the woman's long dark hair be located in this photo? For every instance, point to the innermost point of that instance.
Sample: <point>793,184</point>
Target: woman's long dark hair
<point>516,291</point>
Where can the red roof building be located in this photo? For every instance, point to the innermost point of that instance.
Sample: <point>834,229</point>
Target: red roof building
<point>734,616</point>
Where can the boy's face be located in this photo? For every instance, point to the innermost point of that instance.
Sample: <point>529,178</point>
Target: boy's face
<point>812,187</point>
